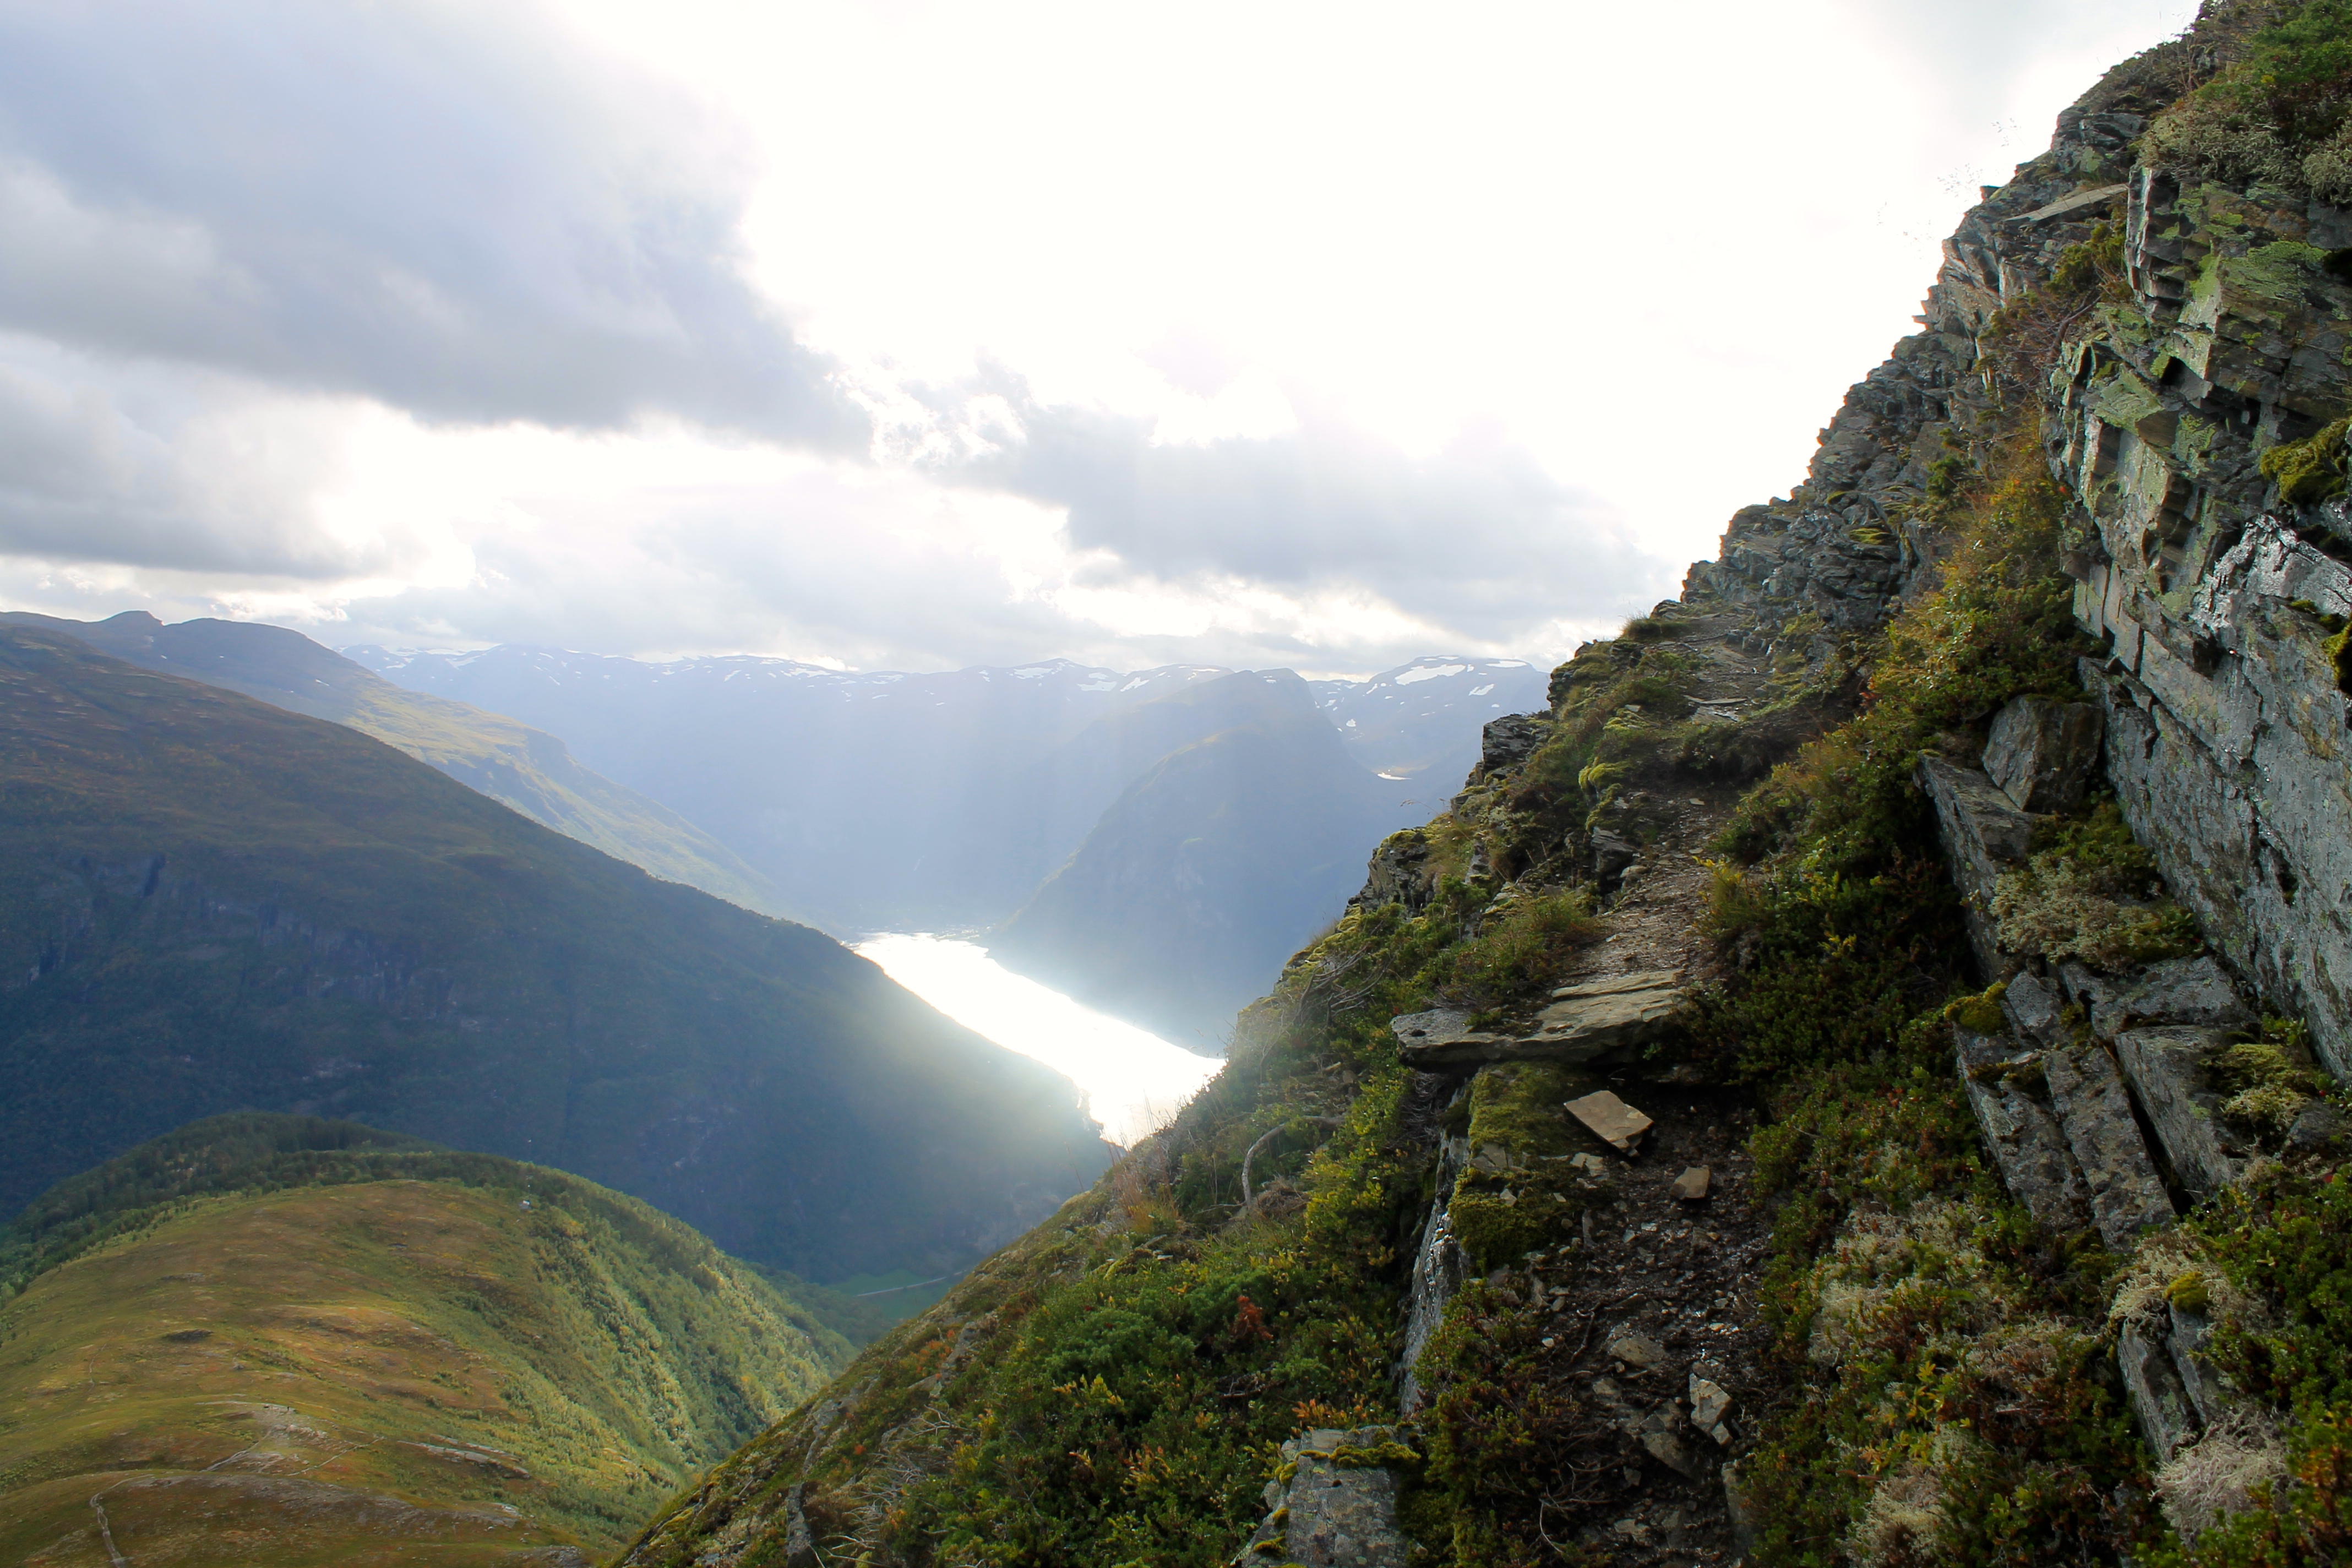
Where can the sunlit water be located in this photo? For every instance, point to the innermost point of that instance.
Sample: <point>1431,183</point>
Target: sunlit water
<point>1134,1081</point>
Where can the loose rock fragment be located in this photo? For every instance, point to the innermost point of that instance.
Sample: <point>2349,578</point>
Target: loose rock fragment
<point>1709,1403</point>
<point>1610,1119</point>
<point>1691,1185</point>
<point>1637,1349</point>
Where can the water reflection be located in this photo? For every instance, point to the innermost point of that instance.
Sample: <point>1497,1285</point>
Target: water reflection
<point>1134,1081</point>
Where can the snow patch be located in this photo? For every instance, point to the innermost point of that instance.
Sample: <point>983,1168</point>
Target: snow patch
<point>1431,672</point>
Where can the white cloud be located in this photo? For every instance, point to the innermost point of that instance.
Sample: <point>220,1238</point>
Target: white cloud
<point>1313,334</point>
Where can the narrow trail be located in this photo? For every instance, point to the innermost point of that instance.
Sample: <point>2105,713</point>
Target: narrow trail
<point>1659,1299</point>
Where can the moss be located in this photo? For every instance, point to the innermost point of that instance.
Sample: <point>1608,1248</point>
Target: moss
<point>2308,471</point>
<point>2339,650</point>
<point>2189,1292</point>
<point>1519,1106</point>
<point>2090,892</point>
<point>1980,1014</point>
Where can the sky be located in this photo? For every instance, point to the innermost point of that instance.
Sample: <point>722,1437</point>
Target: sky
<point>916,336</point>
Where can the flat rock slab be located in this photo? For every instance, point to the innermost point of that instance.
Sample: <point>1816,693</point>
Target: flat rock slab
<point>1610,1119</point>
<point>2095,1113</point>
<point>1591,1020</point>
<point>1443,1038</point>
<point>2170,1068</point>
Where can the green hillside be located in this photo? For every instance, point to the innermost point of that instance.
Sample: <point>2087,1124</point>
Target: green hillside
<point>283,1341</point>
<point>208,903</point>
<point>527,769</point>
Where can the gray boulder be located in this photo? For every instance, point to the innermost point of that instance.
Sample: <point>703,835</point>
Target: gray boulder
<point>1340,1509</point>
<point>2211,1393</point>
<point>2169,1070</point>
<point>2031,1005</point>
<point>2317,1126</point>
<point>2044,754</point>
<point>2027,1146</point>
<point>2095,1114</point>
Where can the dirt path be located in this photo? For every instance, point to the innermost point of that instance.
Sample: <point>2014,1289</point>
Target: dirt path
<point>1661,1290</point>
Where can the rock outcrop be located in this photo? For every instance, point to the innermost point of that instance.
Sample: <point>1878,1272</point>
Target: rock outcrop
<point>1338,1509</point>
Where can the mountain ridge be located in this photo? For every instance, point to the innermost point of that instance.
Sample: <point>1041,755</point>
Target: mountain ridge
<point>527,769</point>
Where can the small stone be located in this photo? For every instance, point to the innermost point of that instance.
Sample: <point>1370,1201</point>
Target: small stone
<point>1637,1349</point>
<point>1691,1185</point>
<point>1708,1403</point>
<point>1610,1119</point>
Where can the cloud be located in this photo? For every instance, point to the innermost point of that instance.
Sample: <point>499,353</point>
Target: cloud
<point>1476,535</point>
<point>163,466</point>
<point>447,208</point>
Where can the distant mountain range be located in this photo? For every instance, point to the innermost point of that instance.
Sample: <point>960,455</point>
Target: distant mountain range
<point>1211,868</point>
<point>1041,807</point>
<point>208,902</point>
<point>888,801</point>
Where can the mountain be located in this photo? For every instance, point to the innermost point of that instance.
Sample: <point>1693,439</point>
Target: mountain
<point>524,768</point>
<point>1422,720</point>
<point>876,801</point>
<point>287,1340</point>
<point>210,903</point>
<point>1866,1084</point>
<point>1216,863</point>
<point>891,801</point>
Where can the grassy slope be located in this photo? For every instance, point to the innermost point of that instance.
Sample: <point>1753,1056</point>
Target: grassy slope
<point>272,1340</point>
<point>527,769</point>
<point>208,903</point>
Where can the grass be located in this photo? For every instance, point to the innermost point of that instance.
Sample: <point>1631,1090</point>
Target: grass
<point>295,1342</point>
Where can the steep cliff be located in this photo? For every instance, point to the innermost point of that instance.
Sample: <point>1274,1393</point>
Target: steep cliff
<point>1848,1083</point>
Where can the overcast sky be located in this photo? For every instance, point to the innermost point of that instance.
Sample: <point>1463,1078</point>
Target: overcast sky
<point>915,336</point>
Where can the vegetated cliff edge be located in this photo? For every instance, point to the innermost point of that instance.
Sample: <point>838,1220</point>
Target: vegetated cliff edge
<point>208,903</point>
<point>2039,679</point>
